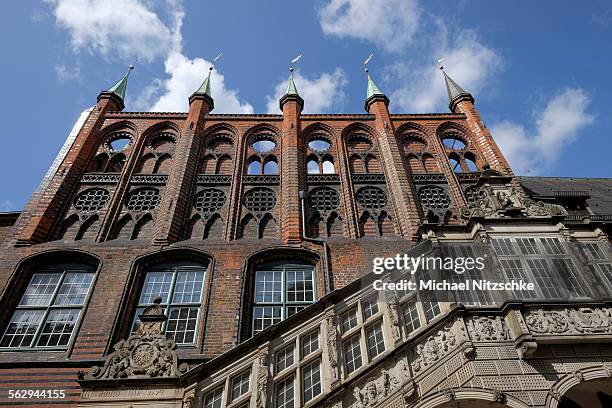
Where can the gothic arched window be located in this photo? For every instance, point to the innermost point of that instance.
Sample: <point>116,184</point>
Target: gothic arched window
<point>180,287</point>
<point>50,307</point>
<point>280,291</point>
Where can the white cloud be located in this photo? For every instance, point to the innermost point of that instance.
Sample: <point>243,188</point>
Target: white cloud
<point>556,126</point>
<point>320,94</point>
<point>126,27</point>
<point>186,75</point>
<point>469,62</point>
<point>391,24</point>
<point>132,28</point>
<point>66,73</point>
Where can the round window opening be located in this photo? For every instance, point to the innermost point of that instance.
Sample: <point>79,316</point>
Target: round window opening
<point>263,146</point>
<point>319,145</point>
<point>119,142</point>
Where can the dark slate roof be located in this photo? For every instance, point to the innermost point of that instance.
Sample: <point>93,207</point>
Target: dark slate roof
<point>599,190</point>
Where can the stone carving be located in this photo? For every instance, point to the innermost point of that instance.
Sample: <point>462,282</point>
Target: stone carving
<point>499,397</point>
<point>450,394</point>
<point>332,341</point>
<point>500,201</point>
<point>578,375</point>
<point>435,347</point>
<point>404,371</point>
<point>262,380</point>
<point>375,390</point>
<point>571,321</point>
<point>491,328</point>
<point>145,354</point>
<point>393,307</point>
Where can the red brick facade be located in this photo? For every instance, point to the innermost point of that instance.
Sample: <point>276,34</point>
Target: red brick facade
<point>122,210</point>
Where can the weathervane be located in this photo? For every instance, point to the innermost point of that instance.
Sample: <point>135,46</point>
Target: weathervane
<point>365,63</point>
<point>293,61</point>
<point>439,61</point>
<point>212,65</point>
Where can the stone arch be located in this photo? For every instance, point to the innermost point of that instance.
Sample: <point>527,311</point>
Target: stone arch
<point>124,227</point>
<point>248,227</point>
<point>70,228</point>
<point>386,226</point>
<point>207,164</point>
<point>372,165</point>
<point>564,386</point>
<point>314,225</point>
<point>219,128</point>
<point>356,127</point>
<point>430,164</point>
<point>356,164</point>
<point>262,128</point>
<point>122,125</point>
<point>414,164</point>
<point>334,225</point>
<point>160,127</point>
<point>254,166</point>
<point>195,228</point>
<point>472,397</point>
<point>453,126</point>
<point>270,165</point>
<point>268,228</point>
<point>412,126</point>
<point>224,165</point>
<point>367,225</point>
<point>98,164</point>
<point>318,127</point>
<point>116,163</point>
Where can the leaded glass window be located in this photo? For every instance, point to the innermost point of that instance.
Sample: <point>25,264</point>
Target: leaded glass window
<point>375,340</point>
<point>352,354</point>
<point>311,381</point>
<point>240,385</point>
<point>284,393</point>
<point>180,288</point>
<point>50,307</point>
<point>280,291</point>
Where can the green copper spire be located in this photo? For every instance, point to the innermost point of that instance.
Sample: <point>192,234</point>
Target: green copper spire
<point>205,87</point>
<point>372,88</point>
<point>203,91</point>
<point>291,93</point>
<point>374,94</point>
<point>291,89</point>
<point>121,85</point>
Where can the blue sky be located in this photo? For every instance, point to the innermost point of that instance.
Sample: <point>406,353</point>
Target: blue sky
<point>539,70</point>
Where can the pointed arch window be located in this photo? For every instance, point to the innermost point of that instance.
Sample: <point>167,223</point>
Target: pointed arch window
<point>180,287</point>
<point>280,291</point>
<point>50,307</point>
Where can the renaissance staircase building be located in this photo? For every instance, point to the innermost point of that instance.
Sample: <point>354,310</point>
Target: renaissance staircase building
<point>225,260</point>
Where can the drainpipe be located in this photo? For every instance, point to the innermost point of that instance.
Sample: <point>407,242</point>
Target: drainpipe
<point>322,242</point>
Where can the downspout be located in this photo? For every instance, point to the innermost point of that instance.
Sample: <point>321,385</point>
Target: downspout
<point>316,241</point>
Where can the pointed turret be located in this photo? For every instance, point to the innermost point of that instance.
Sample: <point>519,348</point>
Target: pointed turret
<point>373,94</point>
<point>291,94</point>
<point>456,93</point>
<point>117,91</point>
<point>203,92</point>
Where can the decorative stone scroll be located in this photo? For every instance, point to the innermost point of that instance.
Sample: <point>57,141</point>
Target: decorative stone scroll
<point>488,328</point>
<point>145,354</point>
<point>434,348</point>
<point>570,321</point>
<point>375,390</point>
<point>505,201</point>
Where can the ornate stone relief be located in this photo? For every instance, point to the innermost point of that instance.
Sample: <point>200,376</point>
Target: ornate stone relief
<point>503,201</point>
<point>570,321</point>
<point>434,348</point>
<point>375,390</point>
<point>262,380</point>
<point>488,328</point>
<point>145,354</point>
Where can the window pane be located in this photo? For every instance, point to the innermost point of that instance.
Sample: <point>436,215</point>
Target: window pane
<point>593,250</point>
<point>352,354</point>
<point>312,167</point>
<point>240,385</point>
<point>503,246</point>
<point>188,287</point>
<point>156,284</point>
<point>74,289</point>
<point>291,310</point>
<point>348,320</point>
<point>514,271</point>
<point>268,286</point>
<point>22,328</point>
<point>40,290</point>
<point>570,277</point>
<point>411,317</point>
<point>300,286</point>
<point>370,308</point>
<point>375,340</point>
<point>265,316</point>
<point>605,269</point>
<point>284,393</point>
<point>311,380</point>
<point>527,246</point>
<point>552,246</point>
<point>310,343</point>
<point>284,359</point>
<point>213,399</point>
<point>58,327</point>
<point>181,324</point>
<point>431,306</point>
<point>545,280</point>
